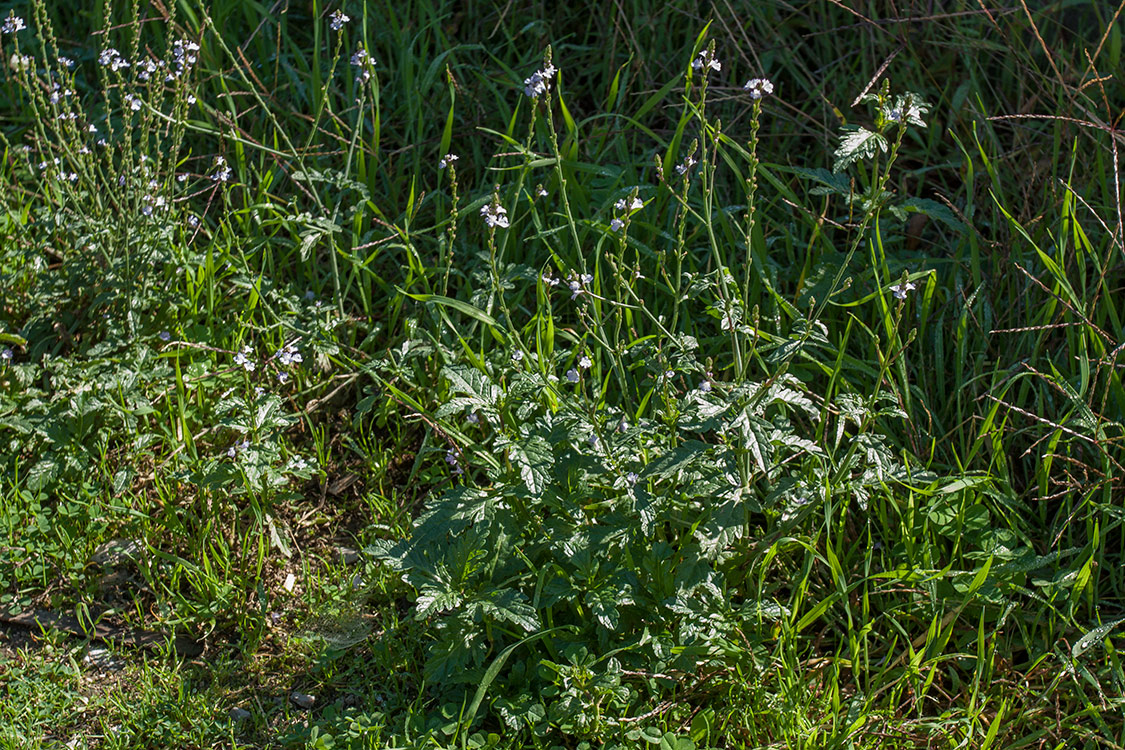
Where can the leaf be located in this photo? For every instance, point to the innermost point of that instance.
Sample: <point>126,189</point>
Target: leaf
<point>535,459</point>
<point>1097,635</point>
<point>464,307</point>
<point>509,605</point>
<point>856,143</point>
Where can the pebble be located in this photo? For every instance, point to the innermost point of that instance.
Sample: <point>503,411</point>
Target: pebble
<point>302,700</point>
<point>238,714</point>
<point>103,659</point>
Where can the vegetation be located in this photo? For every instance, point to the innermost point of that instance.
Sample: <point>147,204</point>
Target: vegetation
<point>473,374</point>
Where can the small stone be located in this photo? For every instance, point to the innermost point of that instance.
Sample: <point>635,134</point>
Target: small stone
<point>238,714</point>
<point>302,700</point>
<point>103,659</point>
<point>290,582</point>
<point>347,555</point>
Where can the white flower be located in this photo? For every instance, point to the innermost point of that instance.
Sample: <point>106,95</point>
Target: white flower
<point>283,377</point>
<point>617,225</point>
<point>13,23</point>
<point>451,459</point>
<point>243,359</point>
<point>92,128</point>
<point>133,102</point>
<point>6,354</point>
<point>66,62</point>
<point>360,58</point>
<point>705,386</point>
<point>758,87</point>
<point>112,59</point>
<point>222,171</point>
<point>550,280</point>
<point>541,191</point>
<point>495,216</point>
<point>289,355</point>
<point>193,221</point>
<point>592,440</point>
<point>337,20</point>
<point>632,478</point>
<point>237,448</point>
<point>686,166</point>
<point>900,290</point>
<point>539,82</point>
<point>165,336</point>
<point>706,62</point>
<point>572,375</point>
<point>584,362</point>
<point>578,282</point>
<point>472,418</point>
<point>447,161</point>
<point>517,355</point>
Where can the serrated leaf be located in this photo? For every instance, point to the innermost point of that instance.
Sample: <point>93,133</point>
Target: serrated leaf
<point>856,143</point>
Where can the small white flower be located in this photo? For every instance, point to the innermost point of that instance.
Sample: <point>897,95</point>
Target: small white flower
<point>592,440</point>
<point>289,355</point>
<point>337,20</point>
<point>617,225</point>
<point>360,58</point>
<point>182,177</point>
<point>632,478</point>
<point>705,62</point>
<point>451,459</point>
<point>20,62</point>
<point>193,221</point>
<point>243,359</point>
<point>191,99</point>
<point>578,283</point>
<point>222,170</point>
<point>550,280</point>
<point>447,161</point>
<point>472,418</point>
<point>623,425</point>
<point>584,363</point>
<point>112,59</point>
<point>133,102</point>
<point>92,128</point>
<point>165,336</point>
<point>539,82</point>
<point>902,289</point>
<point>669,374</point>
<point>66,62</point>
<point>12,24</point>
<point>541,191</point>
<point>685,166</point>
<point>517,355</point>
<point>572,375</point>
<point>758,87</point>
<point>495,216</point>
<point>299,464</point>
<point>6,354</point>
<point>705,386</point>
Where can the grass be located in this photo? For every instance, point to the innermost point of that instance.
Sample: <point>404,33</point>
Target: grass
<point>919,542</point>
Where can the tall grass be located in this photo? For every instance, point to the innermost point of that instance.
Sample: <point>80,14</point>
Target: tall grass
<point>742,421</point>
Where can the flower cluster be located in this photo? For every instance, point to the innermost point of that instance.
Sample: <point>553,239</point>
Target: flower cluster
<point>361,60</point>
<point>578,283</point>
<point>183,54</point>
<point>243,359</point>
<point>237,448</point>
<point>447,161</point>
<point>539,83</point>
<point>112,59</point>
<point>12,24</point>
<point>337,20</point>
<point>222,171</point>
<point>758,87</point>
<point>903,288</point>
<point>289,355</point>
<point>625,205</point>
<point>706,61</point>
<point>495,215</point>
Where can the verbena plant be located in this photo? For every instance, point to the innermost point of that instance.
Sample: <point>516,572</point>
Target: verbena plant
<point>627,424</point>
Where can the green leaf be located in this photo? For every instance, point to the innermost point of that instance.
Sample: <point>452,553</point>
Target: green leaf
<point>1095,636</point>
<point>856,143</point>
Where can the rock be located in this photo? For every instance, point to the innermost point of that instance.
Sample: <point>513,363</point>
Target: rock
<point>302,700</point>
<point>238,714</point>
<point>347,555</point>
<point>103,659</point>
<point>117,551</point>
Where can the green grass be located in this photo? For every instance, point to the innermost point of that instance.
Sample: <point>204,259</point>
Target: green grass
<point>920,542</point>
